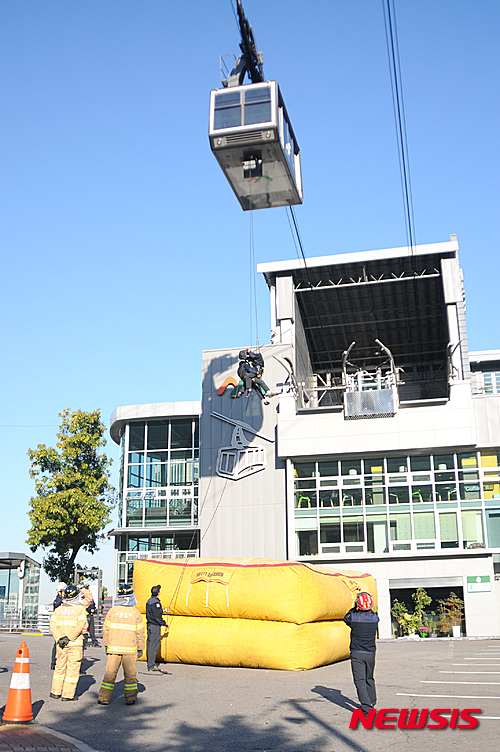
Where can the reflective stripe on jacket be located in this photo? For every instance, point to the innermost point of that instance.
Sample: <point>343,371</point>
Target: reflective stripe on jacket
<point>69,621</point>
<point>123,630</point>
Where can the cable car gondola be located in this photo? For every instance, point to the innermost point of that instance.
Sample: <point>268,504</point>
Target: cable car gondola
<point>251,135</point>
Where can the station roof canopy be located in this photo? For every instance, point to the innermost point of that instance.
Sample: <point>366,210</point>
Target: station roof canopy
<point>9,560</point>
<point>394,295</point>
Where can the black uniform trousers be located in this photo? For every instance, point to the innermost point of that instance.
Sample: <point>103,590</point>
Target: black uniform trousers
<point>363,666</point>
<point>153,643</point>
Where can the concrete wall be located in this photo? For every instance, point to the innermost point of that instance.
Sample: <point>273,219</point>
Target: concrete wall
<point>481,609</point>
<point>242,517</point>
<point>324,432</point>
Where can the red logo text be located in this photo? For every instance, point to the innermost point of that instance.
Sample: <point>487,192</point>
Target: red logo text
<point>413,718</point>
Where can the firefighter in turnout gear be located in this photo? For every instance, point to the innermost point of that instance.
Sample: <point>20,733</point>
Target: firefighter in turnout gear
<point>67,624</point>
<point>124,638</point>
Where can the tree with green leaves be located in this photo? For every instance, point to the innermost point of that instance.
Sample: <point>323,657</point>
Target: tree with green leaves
<point>73,499</point>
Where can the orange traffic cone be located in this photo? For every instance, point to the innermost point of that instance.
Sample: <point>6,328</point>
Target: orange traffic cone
<point>18,708</point>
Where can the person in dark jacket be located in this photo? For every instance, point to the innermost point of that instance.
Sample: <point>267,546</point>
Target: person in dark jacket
<point>363,623</point>
<point>154,623</point>
<point>250,370</point>
<point>91,609</point>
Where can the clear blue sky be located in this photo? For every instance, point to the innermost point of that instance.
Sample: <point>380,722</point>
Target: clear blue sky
<point>125,253</point>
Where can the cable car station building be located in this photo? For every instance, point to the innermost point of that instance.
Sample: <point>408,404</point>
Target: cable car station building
<point>381,452</point>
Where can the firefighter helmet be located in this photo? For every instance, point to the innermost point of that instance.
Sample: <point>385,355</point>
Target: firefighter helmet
<point>71,591</point>
<point>125,590</point>
<point>364,602</point>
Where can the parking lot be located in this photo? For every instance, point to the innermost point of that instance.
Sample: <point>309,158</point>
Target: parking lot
<point>207,709</point>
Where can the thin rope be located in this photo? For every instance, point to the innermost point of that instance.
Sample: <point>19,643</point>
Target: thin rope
<point>399,117</point>
<point>253,286</point>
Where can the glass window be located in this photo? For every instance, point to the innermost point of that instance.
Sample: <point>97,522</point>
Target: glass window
<point>330,533</point>
<point>400,526</point>
<point>351,467</point>
<point>134,457</point>
<point>443,462</point>
<point>374,480</point>
<point>158,434</point>
<point>180,511</point>
<point>352,497</point>
<point>421,493</point>
<point>376,534</point>
<point>156,475</point>
<point>470,490</point>
<point>186,541</point>
<point>490,459</point>
<point>422,478</point>
<point>375,495</point>
<point>420,463</point>
<point>469,475</point>
<point>257,105</point>
<point>424,525</point>
<point>135,478</point>
<point>354,480</point>
<point>328,468</point>
<point>136,437</point>
<point>374,467</point>
<point>307,543</point>
<point>289,146</point>
<point>448,529</point>
<point>162,543</point>
<point>134,511</point>
<point>138,544</point>
<point>472,527</point>
<point>442,477</point>
<point>397,465</point>
<point>181,468</point>
<point>399,495</point>
<point>446,491</point>
<point>157,457</point>
<point>329,497</point>
<point>467,460</point>
<point>227,110</point>
<point>491,485</point>
<point>182,434</point>
<point>493,528</point>
<point>353,529</point>
<point>307,483</point>
<point>305,499</point>
<point>305,469</point>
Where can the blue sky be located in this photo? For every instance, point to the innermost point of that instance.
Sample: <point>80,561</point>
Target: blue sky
<point>125,253</point>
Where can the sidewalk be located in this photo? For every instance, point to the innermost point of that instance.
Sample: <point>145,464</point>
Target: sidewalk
<point>35,738</point>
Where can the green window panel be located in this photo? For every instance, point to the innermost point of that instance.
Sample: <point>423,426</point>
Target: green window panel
<point>424,525</point>
<point>448,529</point>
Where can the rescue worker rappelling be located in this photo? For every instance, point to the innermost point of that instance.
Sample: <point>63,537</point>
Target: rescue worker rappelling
<point>67,625</point>
<point>250,370</point>
<point>124,637</point>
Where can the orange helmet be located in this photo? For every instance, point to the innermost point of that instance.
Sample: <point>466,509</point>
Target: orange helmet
<point>364,602</point>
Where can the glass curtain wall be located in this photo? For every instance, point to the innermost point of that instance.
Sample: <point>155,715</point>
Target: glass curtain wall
<point>161,473</point>
<point>399,503</point>
<point>160,491</point>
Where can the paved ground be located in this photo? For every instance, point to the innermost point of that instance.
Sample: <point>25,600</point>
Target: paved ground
<point>206,709</point>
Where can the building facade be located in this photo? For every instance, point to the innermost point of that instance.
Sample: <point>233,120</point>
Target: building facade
<point>381,452</point>
<point>19,588</point>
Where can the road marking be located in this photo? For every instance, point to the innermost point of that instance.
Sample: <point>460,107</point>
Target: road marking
<point>469,665</point>
<point>455,682</point>
<point>480,657</point>
<point>469,672</point>
<point>452,697</point>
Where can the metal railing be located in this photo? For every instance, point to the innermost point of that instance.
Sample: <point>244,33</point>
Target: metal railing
<point>39,625</point>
